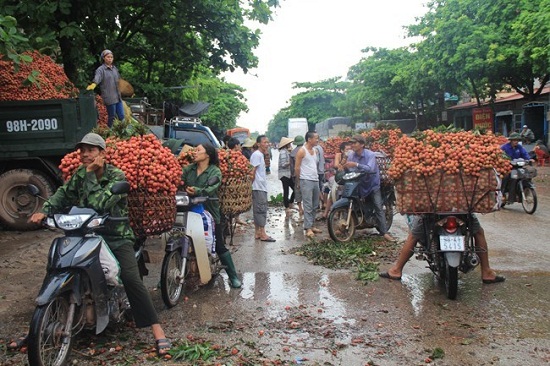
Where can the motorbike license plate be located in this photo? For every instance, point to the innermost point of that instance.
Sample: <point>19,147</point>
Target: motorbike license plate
<point>453,243</point>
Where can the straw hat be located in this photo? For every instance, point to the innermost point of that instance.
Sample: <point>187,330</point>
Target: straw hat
<point>285,141</point>
<point>248,142</point>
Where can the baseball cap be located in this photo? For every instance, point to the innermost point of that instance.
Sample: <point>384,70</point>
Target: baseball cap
<point>358,138</point>
<point>92,139</point>
<point>524,126</point>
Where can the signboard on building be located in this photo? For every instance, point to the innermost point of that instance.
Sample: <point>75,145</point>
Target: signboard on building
<point>483,117</point>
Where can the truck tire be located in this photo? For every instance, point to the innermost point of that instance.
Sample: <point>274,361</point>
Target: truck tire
<point>16,203</point>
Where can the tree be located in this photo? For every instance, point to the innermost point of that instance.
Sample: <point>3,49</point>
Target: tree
<point>376,84</point>
<point>278,126</point>
<point>12,42</point>
<point>163,40</point>
<point>482,46</point>
<point>319,100</point>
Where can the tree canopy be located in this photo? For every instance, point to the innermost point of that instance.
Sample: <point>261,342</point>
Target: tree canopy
<point>158,44</point>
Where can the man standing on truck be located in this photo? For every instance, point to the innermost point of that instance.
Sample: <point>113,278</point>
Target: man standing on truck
<point>107,77</point>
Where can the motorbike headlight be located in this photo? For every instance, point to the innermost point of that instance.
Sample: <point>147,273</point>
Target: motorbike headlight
<point>514,174</point>
<point>70,222</point>
<point>182,200</point>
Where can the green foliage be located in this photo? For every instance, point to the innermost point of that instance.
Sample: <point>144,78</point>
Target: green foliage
<point>358,255</point>
<point>123,129</point>
<point>437,353</point>
<point>12,42</point>
<point>192,352</point>
<point>276,200</point>
<point>159,42</point>
<point>278,126</point>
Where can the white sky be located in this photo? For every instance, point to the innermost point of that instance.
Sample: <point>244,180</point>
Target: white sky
<point>313,40</point>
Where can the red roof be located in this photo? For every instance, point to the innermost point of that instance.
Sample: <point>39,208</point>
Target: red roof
<point>504,99</point>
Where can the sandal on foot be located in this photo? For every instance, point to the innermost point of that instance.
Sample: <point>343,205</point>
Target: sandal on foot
<point>389,276</point>
<point>18,343</point>
<point>497,279</point>
<point>162,346</point>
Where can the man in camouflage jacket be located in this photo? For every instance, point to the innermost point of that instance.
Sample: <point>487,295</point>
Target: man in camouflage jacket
<point>90,187</point>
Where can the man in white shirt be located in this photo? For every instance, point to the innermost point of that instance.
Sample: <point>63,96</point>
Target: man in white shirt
<point>259,189</point>
<point>305,169</point>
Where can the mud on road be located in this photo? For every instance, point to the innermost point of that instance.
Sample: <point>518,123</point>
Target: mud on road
<point>290,311</point>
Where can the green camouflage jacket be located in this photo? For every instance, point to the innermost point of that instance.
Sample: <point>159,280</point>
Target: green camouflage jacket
<point>84,190</point>
<point>191,179</point>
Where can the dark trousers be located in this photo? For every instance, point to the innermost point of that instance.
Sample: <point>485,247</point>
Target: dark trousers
<point>219,235</point>
<point>288,183</point>
<point>140,300</point>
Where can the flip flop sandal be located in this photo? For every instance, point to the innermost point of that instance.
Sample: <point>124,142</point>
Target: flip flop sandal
<point>18,343</point>
<point>389,276</point>
<point>162,346</point>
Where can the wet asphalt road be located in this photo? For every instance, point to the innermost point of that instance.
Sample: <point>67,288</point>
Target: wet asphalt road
<point>312,315</point>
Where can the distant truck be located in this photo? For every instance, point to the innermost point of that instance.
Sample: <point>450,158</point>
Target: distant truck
<point>240,133</point>
<point>34,137</point>
<point>331,127</point>
<point>297,127</point>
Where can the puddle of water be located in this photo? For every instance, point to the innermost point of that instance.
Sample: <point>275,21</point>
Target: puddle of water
<point>279,290</point>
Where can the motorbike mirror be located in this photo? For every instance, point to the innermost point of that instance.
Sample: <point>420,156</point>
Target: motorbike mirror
<point>120,187</point>
<point>213,180</point>
<point>33,190</point>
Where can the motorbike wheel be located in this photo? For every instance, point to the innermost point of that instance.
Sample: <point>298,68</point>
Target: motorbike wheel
<point>451,281</point>
<point>171,283</point>
<point>530,202</point>
<point>49,344</point>
<point>337,229</point>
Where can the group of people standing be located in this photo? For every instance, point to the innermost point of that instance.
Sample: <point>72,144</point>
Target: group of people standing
<point>302,169</point>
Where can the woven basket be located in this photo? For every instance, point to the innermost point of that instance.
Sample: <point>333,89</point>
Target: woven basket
<point>126,89</point>
<point>384,163</point>
<point>150,213</point>
<point>442,192</point>
<point>235,196</point>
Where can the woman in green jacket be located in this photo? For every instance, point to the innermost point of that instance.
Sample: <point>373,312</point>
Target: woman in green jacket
<point>195,178</point>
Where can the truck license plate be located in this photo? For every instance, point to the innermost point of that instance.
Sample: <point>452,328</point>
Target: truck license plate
<point>451,243</point>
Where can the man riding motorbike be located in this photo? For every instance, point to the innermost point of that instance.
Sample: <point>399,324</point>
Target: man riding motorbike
<point>416,232</point>
<point>363,159</point>
<point>514,151</point>
<point>90,186</point>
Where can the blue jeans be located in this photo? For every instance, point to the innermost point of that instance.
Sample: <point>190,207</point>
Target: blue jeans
<point>113,109</point>
<point>376,197</point>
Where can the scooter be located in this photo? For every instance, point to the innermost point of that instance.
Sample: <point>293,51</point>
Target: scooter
<point>521,182</point>
<point>75,294</point>
<point>186,251</point>
<point>352,212</point>
<point>448,246</point>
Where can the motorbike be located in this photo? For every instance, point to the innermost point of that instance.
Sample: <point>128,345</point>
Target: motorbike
<point>448,246</point>
<point>75,294</point>
<point>521,182</point>
<point>352,212</point>
<point>186,252</point>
